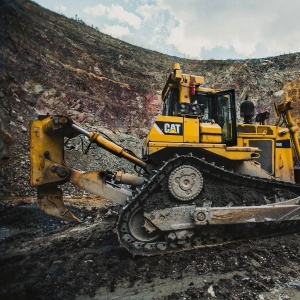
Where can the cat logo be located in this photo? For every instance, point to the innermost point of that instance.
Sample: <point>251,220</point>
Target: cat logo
<point>169,128</point>
<point>172,128</point>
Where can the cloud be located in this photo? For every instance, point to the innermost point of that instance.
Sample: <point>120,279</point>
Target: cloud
<point>204,29</point>
<point>116,31</point>
<point>97,10</point>
<point>155,26</point>
<point>119,13</point>
<point>148,11</point>
<point>244,26</point>
<point>60,8</point>
<point>115,12</point>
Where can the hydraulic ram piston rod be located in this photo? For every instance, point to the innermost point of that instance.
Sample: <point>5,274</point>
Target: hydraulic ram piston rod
<point>110,146</point>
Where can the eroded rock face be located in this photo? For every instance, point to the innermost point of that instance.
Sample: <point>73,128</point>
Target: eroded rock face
<point>53,65</point>
<point>292,93</point>
<point>5,142</point>
<point>3,150</point>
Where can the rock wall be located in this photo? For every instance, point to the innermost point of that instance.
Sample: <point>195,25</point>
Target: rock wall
<point>5,140</point>
<point>52,64</point>
<point>292,93</point>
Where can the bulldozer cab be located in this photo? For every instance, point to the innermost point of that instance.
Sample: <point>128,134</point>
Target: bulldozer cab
<point>207,106</point>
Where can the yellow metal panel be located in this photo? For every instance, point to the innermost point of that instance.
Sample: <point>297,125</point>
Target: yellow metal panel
<point>250,130</point>
<point>282,156</point>
<point>284,165</point>
<point>153,148</point>
<point>191,130</point>
<point>167,129</point>
<point>284,161</point>
<point>192,145</point>
<point>232,153</point>
<point>206,90</point>
<point>41,146</point>
<point>208,138</point>
<point>184,93</point>
<point>210,133</point>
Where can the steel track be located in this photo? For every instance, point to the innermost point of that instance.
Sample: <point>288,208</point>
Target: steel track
<point>203,236</point>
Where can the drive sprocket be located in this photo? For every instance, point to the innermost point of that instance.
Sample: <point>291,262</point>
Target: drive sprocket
<point>185,183</point>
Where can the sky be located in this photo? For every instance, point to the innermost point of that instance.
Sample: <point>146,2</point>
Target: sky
<point>196,29</point>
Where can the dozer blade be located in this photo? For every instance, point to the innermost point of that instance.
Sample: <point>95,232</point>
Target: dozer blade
<point>50,200</point>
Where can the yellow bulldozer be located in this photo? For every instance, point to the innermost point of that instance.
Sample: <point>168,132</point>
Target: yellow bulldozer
<point>203,179</point>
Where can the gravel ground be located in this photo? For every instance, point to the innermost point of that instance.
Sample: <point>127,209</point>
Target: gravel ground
<point>45,258</point>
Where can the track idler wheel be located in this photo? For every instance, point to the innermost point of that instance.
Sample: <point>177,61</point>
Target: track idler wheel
<point>140,229</point>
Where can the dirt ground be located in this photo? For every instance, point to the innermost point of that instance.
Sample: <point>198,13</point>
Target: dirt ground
<point>45,258</point>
